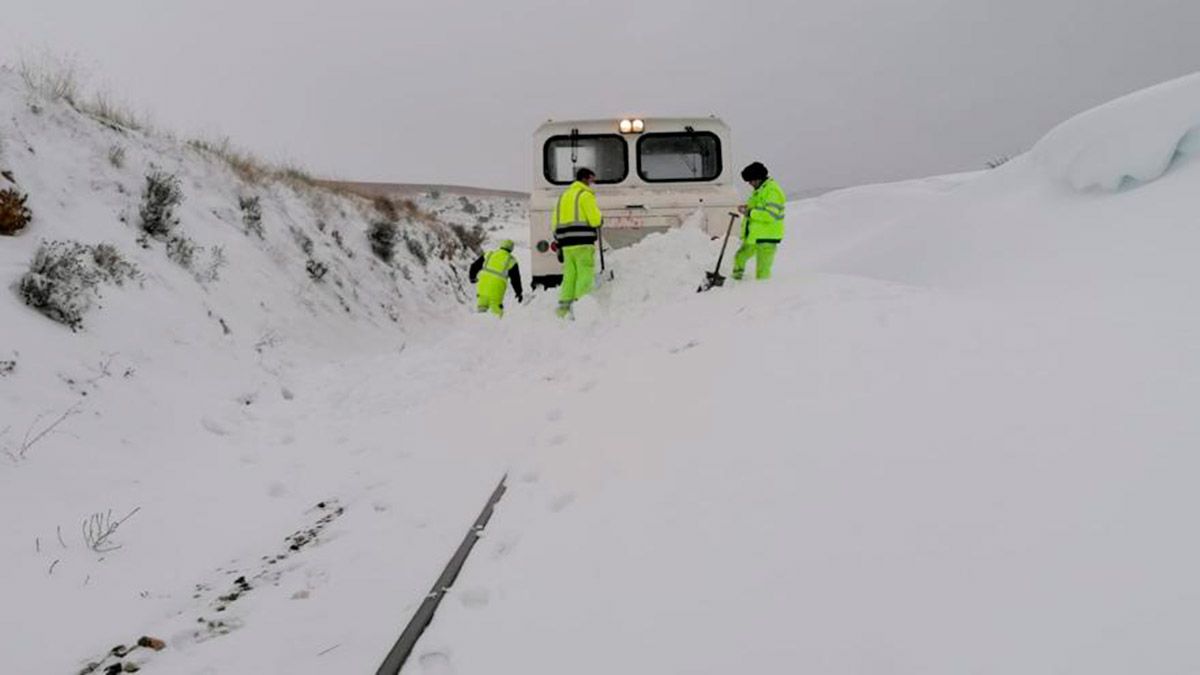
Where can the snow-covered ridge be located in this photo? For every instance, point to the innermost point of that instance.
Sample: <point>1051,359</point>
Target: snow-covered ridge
<point>85,180</point>
<point>1131,140</point>
<point>146,407</point>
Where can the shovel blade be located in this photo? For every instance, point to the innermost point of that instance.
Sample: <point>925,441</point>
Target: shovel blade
<point>711,280</point>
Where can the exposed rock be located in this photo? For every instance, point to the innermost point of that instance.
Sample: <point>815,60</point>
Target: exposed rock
<point>151,643</point>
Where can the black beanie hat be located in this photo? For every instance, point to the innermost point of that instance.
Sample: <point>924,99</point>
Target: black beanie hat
<point>754,171</point>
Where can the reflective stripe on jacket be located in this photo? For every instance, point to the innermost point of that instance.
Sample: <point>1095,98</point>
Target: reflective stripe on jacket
<point>576,216</point>
<point>764,214</point>
<point>498,263</point>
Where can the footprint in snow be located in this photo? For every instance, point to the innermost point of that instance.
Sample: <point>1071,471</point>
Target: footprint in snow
<point>562,501</point>
<point>435,663</point>
<point>504,544</point>
<point>683,348</point>
<point>557,440</point>
<point>213,426</point>
<point>474,598</point>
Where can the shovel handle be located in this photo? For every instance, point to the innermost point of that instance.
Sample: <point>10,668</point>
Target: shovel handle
<point>732,218</point>
<point>600,245</point>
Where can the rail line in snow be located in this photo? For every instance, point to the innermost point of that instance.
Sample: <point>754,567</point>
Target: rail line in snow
<point>400,652</point>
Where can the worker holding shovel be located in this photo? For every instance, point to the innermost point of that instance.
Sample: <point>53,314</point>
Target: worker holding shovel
<point>576,222</point>
<point>762,229</point>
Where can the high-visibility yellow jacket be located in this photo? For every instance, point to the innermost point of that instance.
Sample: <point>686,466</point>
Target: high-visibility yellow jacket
<point>764,214</point>
<point>576,216</point>
<point>498,263</point>
<point>492,269</point>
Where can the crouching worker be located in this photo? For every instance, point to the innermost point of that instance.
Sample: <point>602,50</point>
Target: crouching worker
<point>491,274</point>
<point>762,229</point>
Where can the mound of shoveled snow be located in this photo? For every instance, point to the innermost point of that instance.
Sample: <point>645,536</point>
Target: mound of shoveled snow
<point>1128,141</point>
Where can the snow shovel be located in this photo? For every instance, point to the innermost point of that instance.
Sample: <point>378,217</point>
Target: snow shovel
<point>605,273</point>
<point>714,277</point>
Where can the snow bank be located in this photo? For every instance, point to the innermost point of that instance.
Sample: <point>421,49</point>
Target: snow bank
<point>180,394</point>
<point>955,433</point>
<point>1128,141</point>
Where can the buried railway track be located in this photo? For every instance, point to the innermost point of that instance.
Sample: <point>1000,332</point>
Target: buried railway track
<point>407,641</point>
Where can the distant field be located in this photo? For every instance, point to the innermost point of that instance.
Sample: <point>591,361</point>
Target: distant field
<point>413,189</point>
<point>408,190</point>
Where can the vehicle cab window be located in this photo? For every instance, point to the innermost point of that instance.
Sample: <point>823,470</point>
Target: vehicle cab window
<point>682,157</point>
<point>606,154</point>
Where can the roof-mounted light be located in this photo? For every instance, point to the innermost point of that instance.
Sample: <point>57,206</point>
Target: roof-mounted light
<point>632,126</point>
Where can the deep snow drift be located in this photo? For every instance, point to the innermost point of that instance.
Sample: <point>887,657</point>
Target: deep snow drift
<point>954,434</point>
<point>1129,141</point>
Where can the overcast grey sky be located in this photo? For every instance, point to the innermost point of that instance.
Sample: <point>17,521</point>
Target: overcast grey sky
<point>827,93</point>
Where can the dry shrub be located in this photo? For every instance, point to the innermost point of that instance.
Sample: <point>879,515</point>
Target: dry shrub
<point>247,167</point>
<point>417,249</point>
<point>471,238</point>
<point>107,110</point>
<point>382,235</point>
<point>182,251</point>
<point>14,213</point>
<point>252,215</point>
<point>297,176</point>
<point>116,156</point>
<point>997,162</point>
<point>255,170</point>
<point>63,279</point>
<point>316,269</point>
<point>56,79</point>
<point>53,78</point>
<point>386,208</point>
<point>162,194</point>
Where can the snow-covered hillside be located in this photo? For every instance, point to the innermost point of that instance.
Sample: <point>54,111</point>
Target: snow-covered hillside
<point>954,434</point>
<point>144,406</point>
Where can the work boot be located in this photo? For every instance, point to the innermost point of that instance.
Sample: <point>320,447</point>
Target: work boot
<point>564,310</point>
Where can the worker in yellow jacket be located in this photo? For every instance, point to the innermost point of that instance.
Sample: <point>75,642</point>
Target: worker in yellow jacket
<point>492,272</point>
<point>575,222</point>
<point>762,229</point>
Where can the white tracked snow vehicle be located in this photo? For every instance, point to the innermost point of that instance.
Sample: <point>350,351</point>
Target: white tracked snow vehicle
<point>651,174</point>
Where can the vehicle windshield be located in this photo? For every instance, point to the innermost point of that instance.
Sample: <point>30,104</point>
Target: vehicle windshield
<point>690,156</point>
<point>606,154</point>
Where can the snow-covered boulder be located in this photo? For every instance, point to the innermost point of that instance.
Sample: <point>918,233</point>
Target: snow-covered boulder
<point>1132,140</point>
